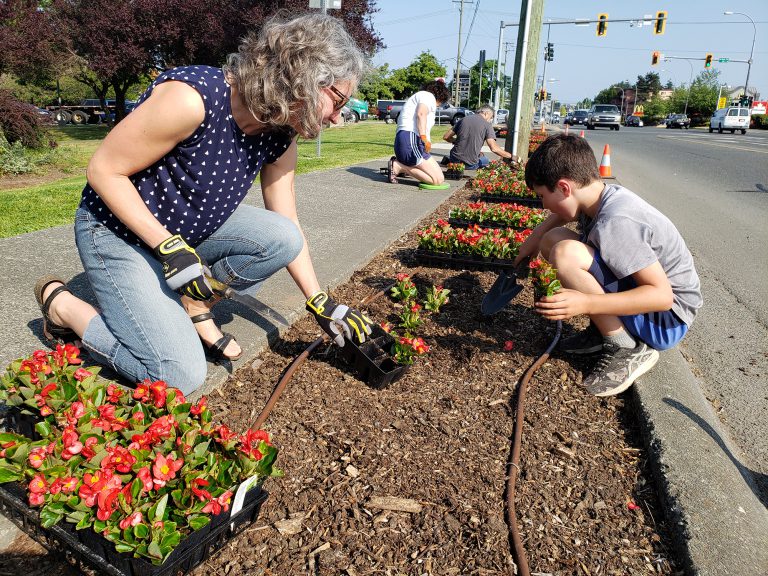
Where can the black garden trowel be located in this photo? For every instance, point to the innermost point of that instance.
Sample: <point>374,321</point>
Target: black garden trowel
<point>503,290</point>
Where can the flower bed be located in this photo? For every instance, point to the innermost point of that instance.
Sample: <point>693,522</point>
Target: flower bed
<point>141,474</point>
<point>535,140</point>
<point>473,248</point>
<point>503,215</point>
<point>499,182</point>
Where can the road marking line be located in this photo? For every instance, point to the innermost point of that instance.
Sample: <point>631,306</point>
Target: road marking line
<point>720,145</point>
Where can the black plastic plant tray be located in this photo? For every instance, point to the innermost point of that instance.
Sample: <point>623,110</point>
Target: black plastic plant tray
<point>523,200</point>
<point>463,261</point>
<point>93,550</point>
<point>373,358</point>
<point>15,421</point>
<point>451,176</point>
<point>461,223</point>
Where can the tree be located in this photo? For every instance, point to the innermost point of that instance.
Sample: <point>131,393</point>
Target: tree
<point>648,84</point>
<point>375,85</point>
<point>406,81</point>
<point>488,74</point>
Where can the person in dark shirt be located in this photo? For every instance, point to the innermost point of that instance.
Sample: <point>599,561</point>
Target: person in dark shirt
<point>162,211</point>
<point>468,136</point>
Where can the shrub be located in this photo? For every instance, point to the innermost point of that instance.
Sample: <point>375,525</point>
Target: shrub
<point>760,121</point>
<point>20,122</point>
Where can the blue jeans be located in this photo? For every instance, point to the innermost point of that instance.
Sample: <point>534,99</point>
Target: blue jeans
<point>142,330</point>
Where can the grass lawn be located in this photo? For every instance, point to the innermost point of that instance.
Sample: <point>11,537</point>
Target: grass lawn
<point>53,202</point>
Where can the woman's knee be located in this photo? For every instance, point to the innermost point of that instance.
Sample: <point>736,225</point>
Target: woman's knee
<point>187,373</point>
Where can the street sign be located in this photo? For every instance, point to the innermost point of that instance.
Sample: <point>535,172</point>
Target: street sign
<point>331,4</point>
<point>723,59</point>
<point>721,102</point>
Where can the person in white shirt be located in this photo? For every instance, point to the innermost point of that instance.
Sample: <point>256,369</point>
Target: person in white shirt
<point>412,141</point>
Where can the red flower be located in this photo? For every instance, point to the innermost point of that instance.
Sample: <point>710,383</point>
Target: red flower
<point>415,307</point>
<point>158,390</point>
<point>198,408</point>
<point>36,499</point>
<point>108,499</point>
<point>75,412</point>
<point>249,443</point>
<point>4,446</point>
<point>68,484</point>
<point>72,444</point>
<point>141,393</point>
<point>632,506</point>
<point>88,451</point>
<point>216,505</point>
<point>55,486</point>
<point>402,276</point>
<point>165,469</point>
<point>204,495</point>
<point>37,457</point>
<point>46,411</point>
<point>66,354</point>
<point>118,458</point>
<point>92,484</point>
<point>137,416</point>
<point>38,485</point>
<point>132,520</point>
<point>224,434</point>
<point>508,345</point>
<point>146,478</point>
<point>114,392</point>
<point>81,374</point>
<point>386,326</point>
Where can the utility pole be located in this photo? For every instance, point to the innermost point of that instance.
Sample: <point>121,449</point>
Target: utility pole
<point>544,80</point>
<point>458,56</point>
<point>524,79</point>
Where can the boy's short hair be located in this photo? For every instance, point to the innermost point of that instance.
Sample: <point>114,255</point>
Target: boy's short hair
<point>438,89</point>
<point>562,156</point>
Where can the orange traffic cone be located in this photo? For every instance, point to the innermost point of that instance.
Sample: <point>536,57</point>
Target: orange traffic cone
<point>542,126</point>
<point>605,163</point>
<point>581,133</point>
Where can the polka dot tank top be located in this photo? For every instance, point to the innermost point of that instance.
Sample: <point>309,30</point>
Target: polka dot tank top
<point>194,188</point>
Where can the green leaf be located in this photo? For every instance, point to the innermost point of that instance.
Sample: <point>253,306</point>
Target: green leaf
<point>7,475</point>
<point>48,517</point>
<point>124,547</point>
<point>154,549</point>
<point>141,531</point>
<point>160,510</point>
<point>21,453</point>
<point>43,428</point>
<point>197,521</point>
<point>10,437</point>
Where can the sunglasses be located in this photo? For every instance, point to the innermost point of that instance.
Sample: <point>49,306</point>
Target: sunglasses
<point>342,99</point>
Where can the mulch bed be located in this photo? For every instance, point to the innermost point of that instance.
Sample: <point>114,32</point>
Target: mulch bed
<point>439,440</point>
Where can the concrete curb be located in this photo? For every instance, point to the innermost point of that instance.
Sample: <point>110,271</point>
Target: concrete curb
<point>708,494</point>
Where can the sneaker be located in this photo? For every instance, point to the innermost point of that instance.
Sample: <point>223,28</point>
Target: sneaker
<point>587,341</point>
<point>618,368</point>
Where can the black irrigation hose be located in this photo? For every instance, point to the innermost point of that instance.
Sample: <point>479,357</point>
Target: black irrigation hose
<point>297,363</point>
<point>518,551</point>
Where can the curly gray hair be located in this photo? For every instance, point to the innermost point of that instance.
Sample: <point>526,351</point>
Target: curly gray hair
<point>281,70</point>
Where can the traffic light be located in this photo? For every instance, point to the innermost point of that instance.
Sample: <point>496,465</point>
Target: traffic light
<point>543,94</point>
<point>708,61</point>
<point>655,58</point>
<point>550,51</point>
<point>602,24</point>
<point>661,22</point>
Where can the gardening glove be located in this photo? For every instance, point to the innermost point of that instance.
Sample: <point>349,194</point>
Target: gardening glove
<point>427,143</point>
<point>338,320</point>
<point>184,270</point>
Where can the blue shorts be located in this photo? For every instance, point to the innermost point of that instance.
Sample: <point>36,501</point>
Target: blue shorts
<point>409,148</point>
<point>660,330</point>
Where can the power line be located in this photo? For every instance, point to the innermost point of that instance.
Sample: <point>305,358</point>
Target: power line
<point>471,24</point>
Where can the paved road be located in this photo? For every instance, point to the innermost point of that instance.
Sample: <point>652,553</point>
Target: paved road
<point>715,188</point>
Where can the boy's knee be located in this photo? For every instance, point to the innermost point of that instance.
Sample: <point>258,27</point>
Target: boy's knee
<point>565,252</point>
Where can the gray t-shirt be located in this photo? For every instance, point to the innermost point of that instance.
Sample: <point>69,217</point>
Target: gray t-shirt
<point>630,235</point>
<point>471,134</point>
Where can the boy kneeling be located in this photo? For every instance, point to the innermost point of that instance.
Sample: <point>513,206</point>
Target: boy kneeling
<point>628,267</point>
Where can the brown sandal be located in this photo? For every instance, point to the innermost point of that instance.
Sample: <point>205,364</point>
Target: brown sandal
<point>216,350</point>
<point>52,331</point>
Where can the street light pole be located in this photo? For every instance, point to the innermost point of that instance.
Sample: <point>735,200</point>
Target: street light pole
<point>752,50</point>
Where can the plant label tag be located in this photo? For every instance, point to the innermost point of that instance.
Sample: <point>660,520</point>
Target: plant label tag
<point>237,503</point>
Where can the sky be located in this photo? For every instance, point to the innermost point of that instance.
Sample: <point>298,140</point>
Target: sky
<point>584,63</point>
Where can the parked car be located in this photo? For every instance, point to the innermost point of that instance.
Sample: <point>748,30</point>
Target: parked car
<point>388,109</point>
<point>633,121</point>
<point>731,118</point>
<point>577,117</point>
<point>678,121</point>
<point>347,115</point>
<point>452,114</point>
<point>603,115</point>
<point>359,109</point>
<point>501,116</point>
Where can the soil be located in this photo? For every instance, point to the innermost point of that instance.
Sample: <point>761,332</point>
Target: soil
<point>439,440</point>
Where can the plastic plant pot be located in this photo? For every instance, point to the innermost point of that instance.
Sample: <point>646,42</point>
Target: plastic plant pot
<point>373,359</point>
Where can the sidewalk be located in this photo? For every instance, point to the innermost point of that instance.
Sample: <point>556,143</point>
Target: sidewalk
<point>349,215</point>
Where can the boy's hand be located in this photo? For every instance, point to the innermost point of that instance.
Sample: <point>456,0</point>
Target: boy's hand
<point>565,304</point>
